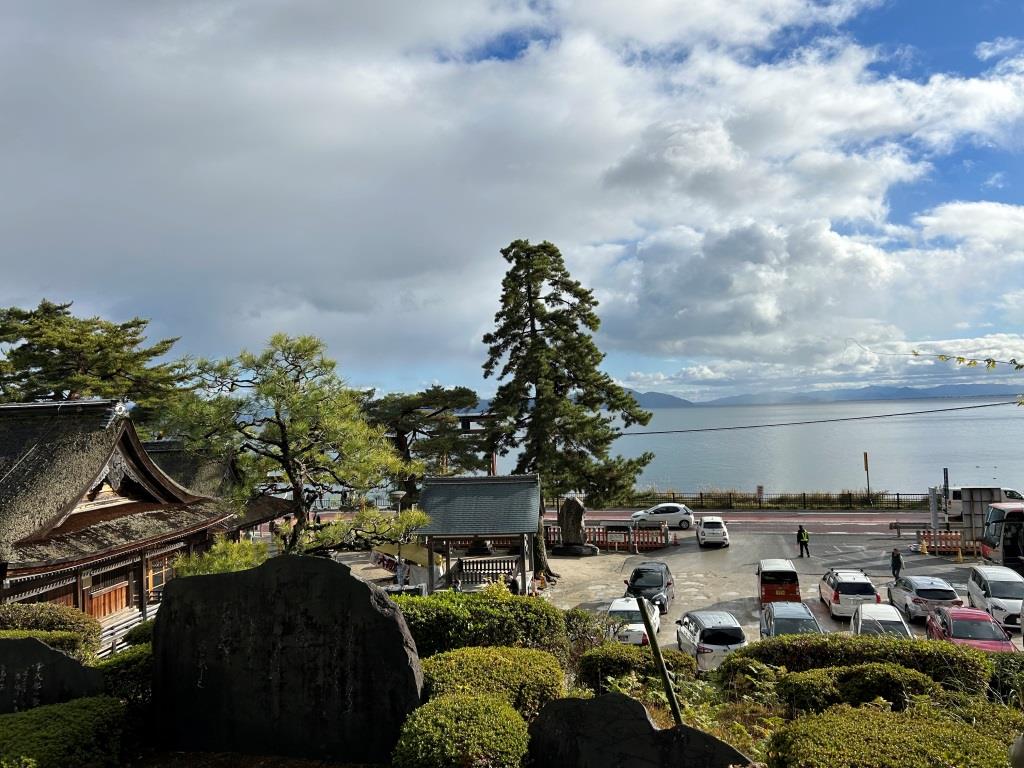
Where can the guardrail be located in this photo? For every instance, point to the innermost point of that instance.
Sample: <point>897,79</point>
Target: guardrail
<point>615,537</point>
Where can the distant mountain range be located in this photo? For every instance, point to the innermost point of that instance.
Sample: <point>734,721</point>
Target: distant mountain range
<point>663,400</point>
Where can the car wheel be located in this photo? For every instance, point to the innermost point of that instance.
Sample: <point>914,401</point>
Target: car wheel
<point>907,614</point>
<point>684,524</point>
<point>700,543</point>
<point>831,613</point>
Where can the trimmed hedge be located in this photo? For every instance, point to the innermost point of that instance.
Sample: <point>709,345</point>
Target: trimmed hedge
<point>128,675</point>
<point>616,660</point>
<point>71,643</point>
<point>140,633</point>
<point>1007,676</point>
<point>82,733</point>
<point>52,617</point>
<point>464,731</point>
<point>526,677</point>
<point>445,621</point>
<point>954,667</point>
<point>873,737</point>
<point>818,689</point>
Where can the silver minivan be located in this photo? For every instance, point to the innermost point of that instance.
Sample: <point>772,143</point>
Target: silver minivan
<point>997,590</point>
<point>709,636</point>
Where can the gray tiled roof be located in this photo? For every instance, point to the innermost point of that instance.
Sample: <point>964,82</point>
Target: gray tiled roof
<point>481,506</point>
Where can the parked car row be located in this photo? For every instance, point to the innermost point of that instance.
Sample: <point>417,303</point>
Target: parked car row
<point>710,529</point>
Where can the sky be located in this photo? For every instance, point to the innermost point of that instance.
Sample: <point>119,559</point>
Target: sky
<point>762,194</point>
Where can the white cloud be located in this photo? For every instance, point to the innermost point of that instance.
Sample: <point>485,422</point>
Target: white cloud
<point>1001,46</point>
<point>995,181</point>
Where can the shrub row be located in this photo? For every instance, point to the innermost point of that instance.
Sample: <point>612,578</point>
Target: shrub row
<point>526,677</point>
<point>954,667</point>
<point>819,689</point>
<point>923,736</point>
<point>51,617</point>
<point>128,675</point>
<point>616,660</point>
<point>462,730</point>
<point>71,643</point>
<point>83,733</point>
<point>444,621</point>
<point>140,633</point>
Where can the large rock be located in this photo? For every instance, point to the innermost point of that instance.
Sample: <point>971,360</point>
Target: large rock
<point>614,731</point>
<point>32,673</point>
<point>296,657</point>
<point>574,534</point>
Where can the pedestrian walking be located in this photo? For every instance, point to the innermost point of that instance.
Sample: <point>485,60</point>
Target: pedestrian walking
<point>802,538</point>
<point>896,562</point>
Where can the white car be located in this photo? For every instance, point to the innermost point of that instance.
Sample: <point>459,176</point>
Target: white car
<point>997,590</point>
<point>626,625</point>
<point>878,619</point>
<point>709,636</point>
<point>917,596</point>
<point>712,530</point>
<point>673,515</point>
<point>844,589</point>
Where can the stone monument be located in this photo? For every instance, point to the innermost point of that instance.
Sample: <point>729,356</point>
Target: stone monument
<point>32,674</point>
<point>574,536</point>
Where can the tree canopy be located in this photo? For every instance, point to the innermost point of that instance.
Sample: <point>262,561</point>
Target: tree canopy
<point>427,430</point>
<point>47,353</point>
<point>554,403</point>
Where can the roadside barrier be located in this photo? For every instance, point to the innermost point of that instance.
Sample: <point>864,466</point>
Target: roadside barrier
<point>945,543</point>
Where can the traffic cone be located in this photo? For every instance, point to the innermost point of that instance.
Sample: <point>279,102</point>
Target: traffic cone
<point>959,555</point>
<point>675,539</point>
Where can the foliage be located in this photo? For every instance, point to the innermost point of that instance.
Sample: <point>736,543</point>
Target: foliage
<point>555,406</point>
<point>428,433</point>
<point>526,677</point>
<point>51,617</point>
<point>140,633</point>
<point>954,667</point>
<point>297,428</point>
<point>584,631</point>
<point>616,660</point>
<point>52,355</point>
<point>369,527</point>
<point>818,689</point>
<point>444,621</point>
<point>71,643</point>
<point>924,736</point>
<point>225,556</point>
<point>465,731</point>
<point>1007,682</point>
<point>82,733</point>
<point>128,675</point>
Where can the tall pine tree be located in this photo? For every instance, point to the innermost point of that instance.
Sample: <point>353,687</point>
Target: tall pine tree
<point>554,405</point>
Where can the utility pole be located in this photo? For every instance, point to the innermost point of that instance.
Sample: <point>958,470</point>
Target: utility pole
<point>867,474</point>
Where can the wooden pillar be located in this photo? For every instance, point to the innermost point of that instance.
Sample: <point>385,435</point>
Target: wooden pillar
<point>79,591</point>
<point>524,582</point>
<point>143,585</point>
<point>448,562</point>
<point>430,565</point>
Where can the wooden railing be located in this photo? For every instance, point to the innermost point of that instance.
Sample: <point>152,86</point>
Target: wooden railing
<point>617,538</point>
<point>484,569</point>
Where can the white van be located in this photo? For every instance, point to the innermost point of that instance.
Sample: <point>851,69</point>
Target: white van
<point>991,495</point>
<point>997,590</point>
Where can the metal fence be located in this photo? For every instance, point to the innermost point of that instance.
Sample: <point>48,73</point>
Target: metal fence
<point>750,500</point>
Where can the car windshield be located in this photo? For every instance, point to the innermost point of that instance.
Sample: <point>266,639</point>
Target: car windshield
<point>883,627</point>
<point>936,594</point>
<point>1007,590</point>
<point>722,636</point>
<point>795,626</point>
<point>645,579</point>
<point>713,524</point>
<point>855,588</point>
<point>626,617</point>
<point>778,577</point>
<point>977,630</point>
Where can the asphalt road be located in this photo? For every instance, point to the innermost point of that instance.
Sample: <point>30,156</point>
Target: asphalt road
<point>723,579</point>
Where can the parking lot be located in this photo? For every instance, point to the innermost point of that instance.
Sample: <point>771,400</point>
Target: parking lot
<point>723,579</point>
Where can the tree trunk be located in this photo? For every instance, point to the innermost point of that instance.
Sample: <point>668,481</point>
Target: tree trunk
<point>540,547</point>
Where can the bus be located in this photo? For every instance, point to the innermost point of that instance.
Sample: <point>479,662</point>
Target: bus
<point>1002,540</point>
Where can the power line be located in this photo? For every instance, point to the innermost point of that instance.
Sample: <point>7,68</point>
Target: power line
<point>815,421</point>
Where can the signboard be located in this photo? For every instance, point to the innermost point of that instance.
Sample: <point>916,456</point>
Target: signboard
<point>616,537</point>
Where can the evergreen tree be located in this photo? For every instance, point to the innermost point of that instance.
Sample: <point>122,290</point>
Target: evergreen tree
<point>47,353</point>
<point>427,430</point>
<point>555,406</point>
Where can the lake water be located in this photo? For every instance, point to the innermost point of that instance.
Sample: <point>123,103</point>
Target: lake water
<point>906,453</point>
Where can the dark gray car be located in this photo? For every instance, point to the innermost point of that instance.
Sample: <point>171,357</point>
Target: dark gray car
<point>652,580</point>
<point>788,619</point>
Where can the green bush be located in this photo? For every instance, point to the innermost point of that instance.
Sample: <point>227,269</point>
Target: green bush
<point>140,633</point>
<point>52,617</point>
<point>1007,681</point>
<point>923,736</point>
<point>616,660</point>
<point>445,621</point>
<point>83,733</point>
<point>71,643</point>
<point>584,631</point>
<point>526,677</point>
<point>464,731</point>
<point>818,689</point>
<point>954,667</point>
<point>128,675</point>
<point>225,556</point>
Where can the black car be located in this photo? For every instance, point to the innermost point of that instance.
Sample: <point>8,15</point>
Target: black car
<point>652,580</point>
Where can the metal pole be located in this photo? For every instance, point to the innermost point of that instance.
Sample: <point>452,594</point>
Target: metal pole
<point>659,662</point>
<point>867,474</point>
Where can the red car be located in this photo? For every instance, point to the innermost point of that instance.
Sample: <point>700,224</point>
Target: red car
<point>968,626</point>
